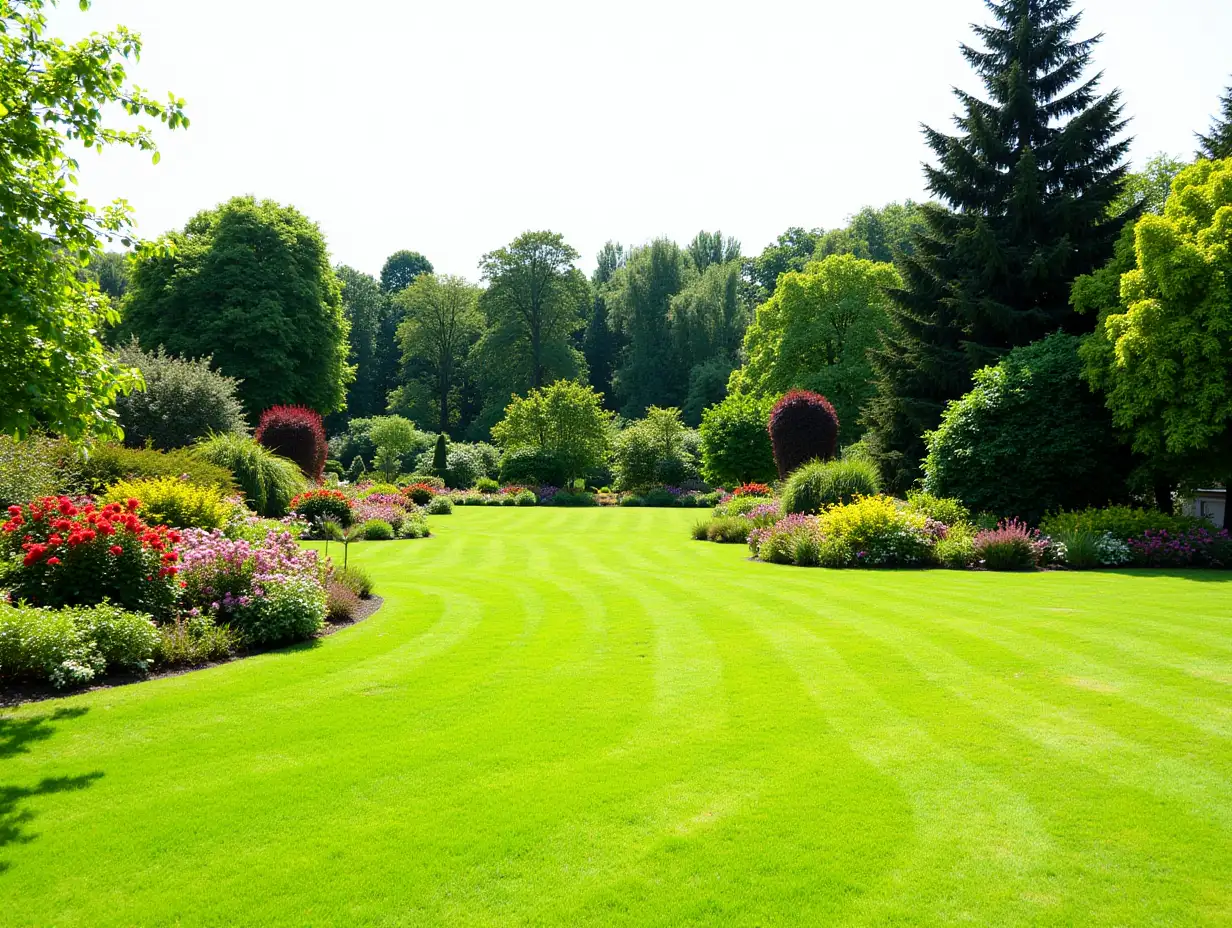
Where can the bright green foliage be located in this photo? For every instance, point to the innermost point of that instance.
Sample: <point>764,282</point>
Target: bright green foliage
<point>1122,522</point>
<point>1031,178</point>
<point>72,647</point>
<point>1147,191</point>
<point>946,510</point>
<point>268,482</point>
<point>791,251</point>
<point>651,452</point>
<point>1219,143</point>
<point>874,234</point>
<point>173,502</point>
<point>110,270</point>
<point>440,321</point>
<point>358,440</point>
<point>708,320</point>
<point>820,484</point>
<point>836,745</point>
<point>249,283</point>
<point>376,530</point>
<point>387,463</point>
<point>29,469</point>
<point>876,532</point>
<point>735,446</point>
<point>183,401</point>
<point>397,434</point>
<point>1163,355</point>
<point>814,333</point>
<point>366,310</point>
<point>54,373</point>
<point>565,420</point>
<point>1028,438</point>
<point>94,469</point>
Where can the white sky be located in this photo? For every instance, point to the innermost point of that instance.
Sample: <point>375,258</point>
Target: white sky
<point>450,127</point>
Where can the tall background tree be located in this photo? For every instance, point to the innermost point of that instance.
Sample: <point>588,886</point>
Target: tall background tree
<point>250,284</point>
<point>54,373</point>
<point>601,343</point>
<point>401,269</point>
<point>1030,180</point>
<point>440,322</point>
<point>366,309</point>
<point>534,308</point>
<point>1218,143</point>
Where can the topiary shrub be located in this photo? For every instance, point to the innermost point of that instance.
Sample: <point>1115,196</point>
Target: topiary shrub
<point>268,482</point>
<point>819,484</point>
<point>173,502</point>
<point>803,427</point>
<point>440,457</point>
<point>183,401</point>
<point>295,433</point>
<point>1029,438</point>
<point>335,468</point>
<point>486,485</point>
<point>356,471</point>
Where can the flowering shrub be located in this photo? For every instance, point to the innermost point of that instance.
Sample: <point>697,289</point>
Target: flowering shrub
<point>419,493</point>
<point>795,539</point>
<point>1010,546</point>
<point>752,489</point>
<point>389,509</point>
<point>295,432</point>
<point>267,592</point>
<point>314,505</point>
<point>739,505</point>
<point>763,514</point>
<point>1123,522</point>
<point>1197,547</point>
<point>174,502</point>
<point>67,554</point>
<point>71,647</point>
<point>1085,550</point>
<point>254,529</point>
<point>880,534</point>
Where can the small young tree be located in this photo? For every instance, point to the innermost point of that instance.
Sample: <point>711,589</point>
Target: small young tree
<point>803,427</point>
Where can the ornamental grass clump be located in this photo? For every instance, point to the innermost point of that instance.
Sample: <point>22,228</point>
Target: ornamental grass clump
<point>174,502</point>
<point>295,433</point>
<point>269,482</point>
<point>63,554</point>
<point>820,484</point>
<point>803,427</point>
<point>1012,545</point>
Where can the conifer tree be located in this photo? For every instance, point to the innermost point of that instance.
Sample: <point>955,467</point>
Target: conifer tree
<point>1028,180</point>
<point>1219,143</point>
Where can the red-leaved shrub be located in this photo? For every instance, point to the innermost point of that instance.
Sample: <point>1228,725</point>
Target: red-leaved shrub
<point>803,427</point>
<point>295,432</point>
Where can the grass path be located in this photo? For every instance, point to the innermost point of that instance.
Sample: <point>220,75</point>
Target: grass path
<point>585,718</point>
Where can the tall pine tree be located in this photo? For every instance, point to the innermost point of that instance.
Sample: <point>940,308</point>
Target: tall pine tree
<point>1029,180</point>
<point>1219,143</point>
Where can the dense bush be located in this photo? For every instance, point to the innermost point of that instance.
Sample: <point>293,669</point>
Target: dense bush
<point>819,484</point>
<point>1087,550</point>
<point>739,505</point>
<point>534,466</point>
<point>377,530</point>
<point>794,539</point>
<point>61,554</point>
<point>103,465</point>
<point>735,443</point>
<point>427,480</point>
<point>956,551</point>
<point>947,511</point>
<point>358,441</point>
<point>414,526</point>
<point>173,502</point>
<point>72,647</point>
<point>268,482</point>
<point>803,427</point>
<point>315,505</point>
<point>183,401</point>
<point>295,433</point>
<point>486,485</point>
<point>462,468</point>
<point>440,506</point>
<point>420,493</point>
<point>1122,522</point>
<point>1029,438</point>
<point>727,530</point>
<point>1197,547</point>
<point>568,498</point>
<point>653,452</point>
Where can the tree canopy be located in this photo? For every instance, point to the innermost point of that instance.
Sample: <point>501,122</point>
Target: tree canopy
<point>1218,143</point>
<point>564,419</point>
<point>249,283</point>
<point>54,373</point>
<point>401,269</point>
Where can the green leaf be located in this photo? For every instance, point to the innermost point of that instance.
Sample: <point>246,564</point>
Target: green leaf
<point>4,111</point>
<point>156,157</point>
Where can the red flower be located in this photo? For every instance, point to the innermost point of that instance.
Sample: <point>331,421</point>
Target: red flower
<point>171,557</point>
<point>33,554</point>
<point>53,561</point>
<point>74,540</point>
<point>66,506</point>
<point>132,503</point>
<point>54,540</point>
<point>116,550</point>
<point>14,510</point>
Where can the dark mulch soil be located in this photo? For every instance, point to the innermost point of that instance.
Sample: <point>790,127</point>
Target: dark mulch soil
<point>16,694</point>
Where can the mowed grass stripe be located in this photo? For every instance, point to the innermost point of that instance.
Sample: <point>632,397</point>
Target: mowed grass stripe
<point>584,718</point>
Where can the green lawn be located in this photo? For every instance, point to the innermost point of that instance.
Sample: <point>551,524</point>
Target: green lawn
<point>581,717</point>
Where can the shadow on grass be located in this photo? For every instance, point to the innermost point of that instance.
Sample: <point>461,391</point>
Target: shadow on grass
<point>17,736</point>
<point>1198,574</point>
